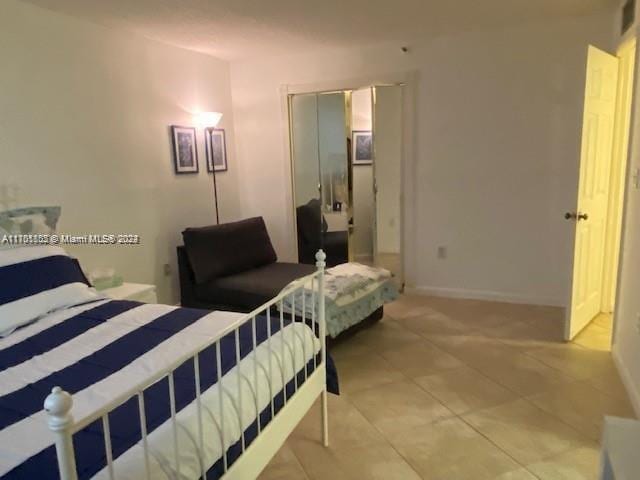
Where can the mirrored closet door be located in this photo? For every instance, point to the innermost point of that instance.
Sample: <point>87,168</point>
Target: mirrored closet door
<point>319,136</point>
<point>346,150</point>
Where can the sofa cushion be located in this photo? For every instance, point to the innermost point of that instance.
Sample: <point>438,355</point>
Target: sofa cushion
<point>249,290</point>
<point>226,249</point>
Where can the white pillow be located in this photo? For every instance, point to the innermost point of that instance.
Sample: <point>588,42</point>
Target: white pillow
<point>36,281</point>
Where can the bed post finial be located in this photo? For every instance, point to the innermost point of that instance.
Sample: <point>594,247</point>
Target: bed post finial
<point>58,405</point>
<point>320,259</point>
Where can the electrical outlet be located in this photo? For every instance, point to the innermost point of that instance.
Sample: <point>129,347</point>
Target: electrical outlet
<point>636,179</point>
<point>166,268</point>
<point>442,252</point>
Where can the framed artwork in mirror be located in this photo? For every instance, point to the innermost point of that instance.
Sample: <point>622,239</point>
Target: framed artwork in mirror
<point>362,147</point>
<point>185,152</point>
<point>216,146</point>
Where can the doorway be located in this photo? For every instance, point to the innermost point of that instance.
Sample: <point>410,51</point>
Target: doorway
<point>603,173</point>
<point>346,157</point>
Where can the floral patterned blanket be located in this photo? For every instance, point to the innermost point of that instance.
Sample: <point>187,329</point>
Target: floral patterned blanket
<point>352,292</point>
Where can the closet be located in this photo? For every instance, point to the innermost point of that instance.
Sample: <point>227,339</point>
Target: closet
<point>346,155</point>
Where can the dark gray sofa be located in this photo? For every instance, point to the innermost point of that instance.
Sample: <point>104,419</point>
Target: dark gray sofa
<point>313,235</point>
<point>232,267</point>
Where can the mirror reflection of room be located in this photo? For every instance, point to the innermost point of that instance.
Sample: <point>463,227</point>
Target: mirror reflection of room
<point>347,153</point>
<point>321,175</point>
<point>363,186</point>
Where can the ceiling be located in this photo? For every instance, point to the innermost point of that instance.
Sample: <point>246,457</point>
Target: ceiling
<point>233,29</point>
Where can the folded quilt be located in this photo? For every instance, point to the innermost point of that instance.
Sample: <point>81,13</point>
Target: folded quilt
<point>352,292</point>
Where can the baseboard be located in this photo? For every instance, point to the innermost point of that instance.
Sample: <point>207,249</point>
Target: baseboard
<point>485,295</point>
<point>629,385</point>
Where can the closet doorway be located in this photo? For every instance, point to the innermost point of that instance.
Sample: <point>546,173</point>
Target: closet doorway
<point>346,156</point>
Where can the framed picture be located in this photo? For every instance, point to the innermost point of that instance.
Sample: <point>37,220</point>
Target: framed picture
<point>362,147</point>
<point>185,152</point>
<point>216,145</point>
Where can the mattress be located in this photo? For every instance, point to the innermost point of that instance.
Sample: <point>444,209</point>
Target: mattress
<point>99,349</point>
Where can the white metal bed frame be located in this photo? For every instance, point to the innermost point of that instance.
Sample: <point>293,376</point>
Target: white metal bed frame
<point>254,457</point>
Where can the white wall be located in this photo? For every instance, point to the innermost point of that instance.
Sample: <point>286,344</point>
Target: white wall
<point>362,181</point>
<point>497,137</point>
<point>626,346</point>
<point>627,335</point>
<point>84,116</point>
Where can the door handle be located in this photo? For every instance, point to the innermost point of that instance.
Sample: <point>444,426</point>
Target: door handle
<point>576,216</point>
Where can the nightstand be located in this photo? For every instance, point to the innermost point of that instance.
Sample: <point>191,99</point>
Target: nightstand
<point>138,292</point>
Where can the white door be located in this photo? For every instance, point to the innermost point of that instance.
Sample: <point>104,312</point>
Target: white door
<point>593,191</point>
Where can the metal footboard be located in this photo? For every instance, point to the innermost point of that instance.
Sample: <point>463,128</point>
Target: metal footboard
<point>253,457</point>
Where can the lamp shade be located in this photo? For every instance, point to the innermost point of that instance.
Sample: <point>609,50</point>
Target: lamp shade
<point>208,119</point>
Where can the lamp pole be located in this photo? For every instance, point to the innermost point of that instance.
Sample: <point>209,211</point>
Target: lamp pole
<point>210,120</point>
<point>213,171</point>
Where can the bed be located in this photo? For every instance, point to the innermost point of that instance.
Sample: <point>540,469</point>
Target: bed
<point>147,391</point>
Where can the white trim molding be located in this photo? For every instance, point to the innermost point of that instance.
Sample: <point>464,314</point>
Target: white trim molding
<point>630,386</point>
<point>488,295</point>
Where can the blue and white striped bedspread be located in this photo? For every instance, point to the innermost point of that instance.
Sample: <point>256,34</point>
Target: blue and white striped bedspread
<point>97,350</point>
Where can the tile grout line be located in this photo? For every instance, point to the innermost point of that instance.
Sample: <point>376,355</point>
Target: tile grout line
<point>453,415</point>
<point>497,446</point>
<point>525,353</point>
<point>293,452</point>
<point>464,363</point>
<point>386,440</point>
<point>518,395</point>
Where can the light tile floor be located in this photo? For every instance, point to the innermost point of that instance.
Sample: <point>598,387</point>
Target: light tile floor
<point>445,389</point>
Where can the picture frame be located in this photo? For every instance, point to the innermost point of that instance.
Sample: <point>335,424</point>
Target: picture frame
<point>362,146</point>
<point>216,147</point>
<point>185,150</point>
